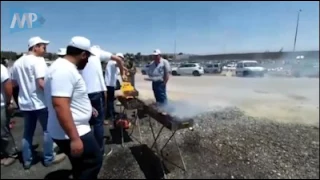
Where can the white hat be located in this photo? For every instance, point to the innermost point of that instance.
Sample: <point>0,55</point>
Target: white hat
<point>36,40</point>
<point>156,52</point>
<point>120,55</point>
<point>81,43</point>
<point>62,51</point>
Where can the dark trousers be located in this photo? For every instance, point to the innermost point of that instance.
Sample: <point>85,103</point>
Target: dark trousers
<point>88,165</point>
<point>110,102</point>
<point>160,93</point>
<point>98,102</point>
<point>15,94</point>
<point>8,146</point>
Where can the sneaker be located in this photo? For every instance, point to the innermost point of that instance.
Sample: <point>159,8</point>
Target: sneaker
<point>3,160</point>
<point>57,159</point>
<point>55,147</point>
<point>109,152</point>
<point>9,161</point>
<point>27,166</point>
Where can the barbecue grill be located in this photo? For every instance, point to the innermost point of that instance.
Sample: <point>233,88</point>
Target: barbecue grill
<point>168,121</point>
<point>172,123</point>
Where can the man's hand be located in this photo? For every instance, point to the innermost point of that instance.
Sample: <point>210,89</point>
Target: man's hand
<point>94,112</point>
<point>76,147</point>
<point>124,77</point>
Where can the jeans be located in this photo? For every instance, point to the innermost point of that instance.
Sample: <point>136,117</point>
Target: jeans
<point>160,93</point>
<point>110,102</point>
<point>98,102</point>
<point>8,146</point>
<point>88,165</point>
<point>30,123</point>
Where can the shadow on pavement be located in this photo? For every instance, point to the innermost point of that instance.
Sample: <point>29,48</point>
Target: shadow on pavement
<point>116,136</point>
<point>149,162</point>
<point>59,174</point>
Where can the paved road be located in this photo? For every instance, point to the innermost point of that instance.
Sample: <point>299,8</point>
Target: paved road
<point>293,100</point>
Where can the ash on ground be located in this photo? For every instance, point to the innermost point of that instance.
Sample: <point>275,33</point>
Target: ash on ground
<point>226,144</point>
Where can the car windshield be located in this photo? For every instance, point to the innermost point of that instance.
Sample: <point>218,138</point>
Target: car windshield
<point>250,64</point>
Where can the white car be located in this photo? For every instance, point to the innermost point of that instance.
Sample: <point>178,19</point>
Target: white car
<point>188,69</point>
<point>229,67</point>
<point>144,69</point>
<point>249,68</point>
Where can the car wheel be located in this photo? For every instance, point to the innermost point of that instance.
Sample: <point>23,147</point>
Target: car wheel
<point>174,73</point>
<point>245,73</point>
<point>196,73</point>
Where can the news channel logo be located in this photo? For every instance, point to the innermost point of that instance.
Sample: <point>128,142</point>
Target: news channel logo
<point>22,19</point>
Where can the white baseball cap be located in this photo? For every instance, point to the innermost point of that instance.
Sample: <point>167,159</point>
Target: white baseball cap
<point>62,51</point>
<point>82,43</point>
<point>36,40</point>
<point>120,55</point>
<point>156,52</point>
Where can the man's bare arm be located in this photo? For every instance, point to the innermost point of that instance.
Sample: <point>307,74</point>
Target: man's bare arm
<point>40,82</point>
<point>119,63</point>
<point>62,108</point>
<point>166,72</point>
<point>7,85</point>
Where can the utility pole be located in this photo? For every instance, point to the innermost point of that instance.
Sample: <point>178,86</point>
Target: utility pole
<point>175,37</point>
<point>297,27</point>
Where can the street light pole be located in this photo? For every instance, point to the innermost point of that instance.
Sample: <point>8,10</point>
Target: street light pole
<point>297,27</point>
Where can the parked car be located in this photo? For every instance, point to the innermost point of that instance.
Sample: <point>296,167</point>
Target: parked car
<point>194,69</point>
<point>249,68</point>
<point>144,69</point>
<point>213,68</point>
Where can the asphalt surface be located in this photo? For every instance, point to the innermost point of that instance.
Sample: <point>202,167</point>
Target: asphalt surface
<point>289,100</point>
<point>273,133</point>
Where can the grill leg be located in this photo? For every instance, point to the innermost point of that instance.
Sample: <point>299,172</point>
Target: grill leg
<point>176,144</point>
<point>136,123</point>
<point>156,146</point>
<point>172,135</point>
<point>121,128</point>
<point>156,138</point>
<point>122,138</point>
<point>181,157</point>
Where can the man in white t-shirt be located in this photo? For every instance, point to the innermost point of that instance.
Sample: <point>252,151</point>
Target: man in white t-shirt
<point>111,77</point>
<point>62,52</point>
<point>28,73</point>
<point>70,110</point>
<point>8,147</point>
<point>93,77</point>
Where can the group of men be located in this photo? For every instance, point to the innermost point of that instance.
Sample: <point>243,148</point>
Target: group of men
<point>68,99</point>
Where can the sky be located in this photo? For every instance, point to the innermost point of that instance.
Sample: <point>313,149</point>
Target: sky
<point>196,27</point>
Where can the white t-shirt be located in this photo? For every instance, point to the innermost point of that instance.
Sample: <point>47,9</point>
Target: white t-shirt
<point>64,80</point>
<point>25,71</point>
<point>111,74</point>
<point>4,76</point>
<point>92,73</point>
